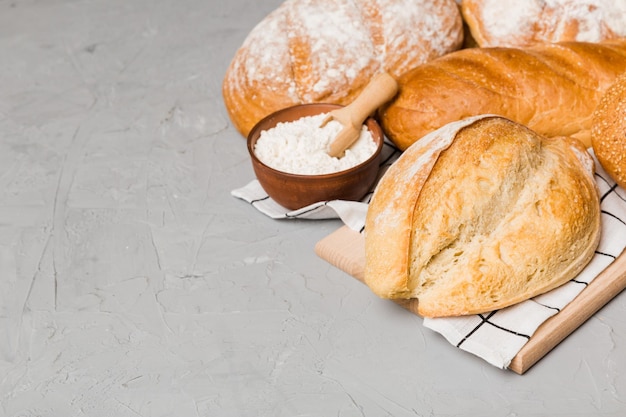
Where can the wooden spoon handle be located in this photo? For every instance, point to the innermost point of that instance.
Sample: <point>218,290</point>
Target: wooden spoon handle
<point>379,90</point>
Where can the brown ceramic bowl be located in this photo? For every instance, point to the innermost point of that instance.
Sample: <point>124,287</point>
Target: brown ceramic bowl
<point>294,191</point>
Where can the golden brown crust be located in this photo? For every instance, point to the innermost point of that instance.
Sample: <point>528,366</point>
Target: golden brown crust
<point>309,51</point>
<point>515,23</point>
<point>389,213</point>
<point>551,88</point>
<point>608,134</point>
<point>482,214</point>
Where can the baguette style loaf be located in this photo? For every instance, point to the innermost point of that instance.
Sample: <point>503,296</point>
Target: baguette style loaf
<point>479,215</point>
<point>551,88</point>
<point>515,23</point>
<point>311,51</point>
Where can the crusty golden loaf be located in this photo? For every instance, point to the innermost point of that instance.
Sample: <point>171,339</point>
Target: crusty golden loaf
<point>516,23</point>
<point>309,51</point>
<point>479,215</point>
<point>608,133</point>
<point>551,88</point>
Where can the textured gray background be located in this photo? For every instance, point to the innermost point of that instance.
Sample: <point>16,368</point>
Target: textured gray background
<point>133,284</point>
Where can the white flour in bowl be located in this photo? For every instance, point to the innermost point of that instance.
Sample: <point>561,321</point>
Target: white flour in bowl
<point>301,146</point>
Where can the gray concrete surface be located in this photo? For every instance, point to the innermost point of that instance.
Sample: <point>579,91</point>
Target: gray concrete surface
<point>133,284</point>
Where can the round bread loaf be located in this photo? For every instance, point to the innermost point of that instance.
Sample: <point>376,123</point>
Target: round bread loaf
<point>608,131</point>
<point>518,23</point>
<point>311,51</point>
<point>481,214</point>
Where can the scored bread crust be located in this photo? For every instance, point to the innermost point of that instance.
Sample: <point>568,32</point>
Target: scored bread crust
<point>551,88</point>
<point>608,133</point>
<point>310,51</point>
<point>481,214</point>
<point>522,23</point>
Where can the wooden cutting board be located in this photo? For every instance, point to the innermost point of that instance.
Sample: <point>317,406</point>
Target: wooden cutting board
<point>345,249</point>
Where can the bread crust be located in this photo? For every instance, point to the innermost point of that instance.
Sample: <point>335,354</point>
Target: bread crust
<point>608,134</point>
<point>481,214</point>
<point>311,51</point>
<point>515,23</point>
<point>551,88</point>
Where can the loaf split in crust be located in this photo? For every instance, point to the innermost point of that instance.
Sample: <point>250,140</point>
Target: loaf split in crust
<point>479,215</point>
<point>608,133</point>
<point>551,88</point>
<point>310,51</point>
<point>521,23</point>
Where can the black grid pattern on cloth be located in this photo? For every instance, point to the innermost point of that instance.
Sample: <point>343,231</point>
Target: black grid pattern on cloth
<point>259,199</point>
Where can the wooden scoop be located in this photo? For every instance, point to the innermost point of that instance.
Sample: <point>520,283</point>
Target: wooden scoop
<point>379,90</point>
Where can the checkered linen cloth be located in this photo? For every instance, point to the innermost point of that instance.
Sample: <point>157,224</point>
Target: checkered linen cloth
<point>499,335</point>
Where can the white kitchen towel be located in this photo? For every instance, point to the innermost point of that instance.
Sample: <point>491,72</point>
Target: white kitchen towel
<point>497,336</point>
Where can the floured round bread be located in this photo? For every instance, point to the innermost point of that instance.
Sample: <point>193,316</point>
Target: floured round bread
<point>608,131</point>
<point>309,51</point>
<point>479,215</point>
<point>516,23</point>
